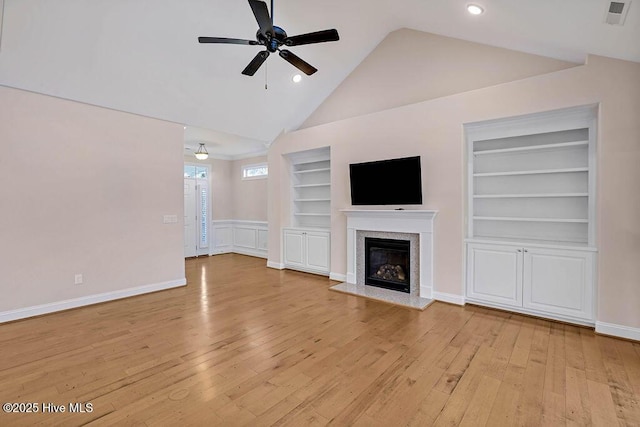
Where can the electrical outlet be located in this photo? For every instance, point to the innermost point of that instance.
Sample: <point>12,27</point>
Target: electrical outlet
<point>78,279</point>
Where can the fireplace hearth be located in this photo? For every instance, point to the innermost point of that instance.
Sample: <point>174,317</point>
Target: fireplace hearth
<point>387,263</point>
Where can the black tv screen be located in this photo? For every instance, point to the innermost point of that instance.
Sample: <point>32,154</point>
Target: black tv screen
<point>386,182</point>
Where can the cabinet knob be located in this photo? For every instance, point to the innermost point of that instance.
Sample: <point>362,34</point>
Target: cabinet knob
<point>526,250</point>
<point>519,250</point>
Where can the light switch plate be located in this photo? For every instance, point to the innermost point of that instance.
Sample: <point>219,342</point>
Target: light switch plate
<point>170,219</point>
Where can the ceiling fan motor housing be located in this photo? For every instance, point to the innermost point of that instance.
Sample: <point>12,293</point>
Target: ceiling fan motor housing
<point>272,42</point>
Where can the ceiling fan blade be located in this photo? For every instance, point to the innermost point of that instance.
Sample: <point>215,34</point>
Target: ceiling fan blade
<point>261,13</point>
<point>255,63</point>
<point>309,38</point>
<point>300,64</point>
<point>226,40</point>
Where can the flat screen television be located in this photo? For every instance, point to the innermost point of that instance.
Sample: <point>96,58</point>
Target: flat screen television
<point>386,182</point>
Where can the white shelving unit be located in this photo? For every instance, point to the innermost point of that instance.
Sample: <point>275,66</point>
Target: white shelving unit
<point>307,242</point>
<point>534,186</point>
<point>311,186</point>
<point>531,214</point>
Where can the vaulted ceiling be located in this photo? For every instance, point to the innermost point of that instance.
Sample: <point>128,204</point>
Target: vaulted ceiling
<point>142,56</point>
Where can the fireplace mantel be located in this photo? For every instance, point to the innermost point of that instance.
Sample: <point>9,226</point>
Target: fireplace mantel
<point>393,221</point>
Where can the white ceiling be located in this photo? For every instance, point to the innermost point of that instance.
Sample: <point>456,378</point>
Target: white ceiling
<point>142,56</point>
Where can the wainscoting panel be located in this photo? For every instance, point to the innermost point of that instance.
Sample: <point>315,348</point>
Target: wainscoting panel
<point>222,237</point>
<point>242,237</point>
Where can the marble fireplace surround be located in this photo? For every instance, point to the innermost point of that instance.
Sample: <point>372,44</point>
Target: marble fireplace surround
<point>396,224</point>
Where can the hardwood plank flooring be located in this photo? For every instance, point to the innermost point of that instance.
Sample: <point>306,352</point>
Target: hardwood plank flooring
<point>246,345</point>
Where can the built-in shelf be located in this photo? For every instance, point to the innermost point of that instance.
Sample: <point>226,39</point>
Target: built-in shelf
<point>311,185</point>
<point>513,218</point>
<point>526,196</point>
<point>532,172</point>
<point>312,170</point>
<point>532,148</point>
<point>530,242</point>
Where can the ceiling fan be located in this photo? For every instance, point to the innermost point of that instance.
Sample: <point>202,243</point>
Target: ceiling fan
<point>273,38</point>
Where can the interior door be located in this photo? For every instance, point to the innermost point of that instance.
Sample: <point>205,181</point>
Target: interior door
<point>190,223</point>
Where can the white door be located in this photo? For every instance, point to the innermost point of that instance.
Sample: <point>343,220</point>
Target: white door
<point>294,248</point>
<point>494,273</point>
<point>318,250</point>
<point>559,281</point>
<point>190,219</point>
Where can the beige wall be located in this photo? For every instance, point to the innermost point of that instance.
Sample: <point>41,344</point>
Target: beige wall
<point>232,197</point>
<point>249,195</point>
<point>434,130</point>
<point>411,66</point>
<point>81,195</point>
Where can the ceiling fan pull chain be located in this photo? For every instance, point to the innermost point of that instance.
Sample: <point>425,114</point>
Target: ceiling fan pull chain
<point>266,76</point>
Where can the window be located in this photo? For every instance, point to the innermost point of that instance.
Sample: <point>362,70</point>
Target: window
<point>192,171</point>
<point>255,171</point>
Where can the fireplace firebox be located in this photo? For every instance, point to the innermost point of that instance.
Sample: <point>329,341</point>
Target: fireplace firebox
<point>387,263</point>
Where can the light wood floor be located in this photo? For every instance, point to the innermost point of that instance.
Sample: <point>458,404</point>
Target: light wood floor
<point>247,345</point>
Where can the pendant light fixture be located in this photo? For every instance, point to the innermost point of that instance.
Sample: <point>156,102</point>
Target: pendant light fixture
<point>202,153</point>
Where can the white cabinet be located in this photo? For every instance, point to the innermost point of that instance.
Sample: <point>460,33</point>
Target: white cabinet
<point>559,281</point>
<point>547,282</point>
<point>307,250</point>
<point>494,273</point>
<point>294,248</point>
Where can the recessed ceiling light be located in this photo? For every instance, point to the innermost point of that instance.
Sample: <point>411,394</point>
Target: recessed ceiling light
<point>297,78</point>
<point>474,9</point>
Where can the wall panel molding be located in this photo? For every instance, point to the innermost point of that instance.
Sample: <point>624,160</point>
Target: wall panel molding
<point>239,236</point>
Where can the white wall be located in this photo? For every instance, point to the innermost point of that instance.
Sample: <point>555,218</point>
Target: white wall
<point>81,194</point>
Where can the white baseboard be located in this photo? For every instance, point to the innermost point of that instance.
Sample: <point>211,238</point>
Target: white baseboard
<point>618,330</point>
<point>251,252</point>
<point>337,276</point>
<point>450,298</point>
<point>37,310</point>
<point>276,265</point>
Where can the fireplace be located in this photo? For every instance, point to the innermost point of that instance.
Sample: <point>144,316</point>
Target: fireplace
<point>387,263</point>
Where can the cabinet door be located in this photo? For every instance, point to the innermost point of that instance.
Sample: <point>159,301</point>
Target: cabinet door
<point>318,245</point>
<point>294,248</point>
<point>559,281</point>
<point>494,273</point>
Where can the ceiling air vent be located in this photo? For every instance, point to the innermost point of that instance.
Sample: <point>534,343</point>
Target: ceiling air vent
<point>617,12</point>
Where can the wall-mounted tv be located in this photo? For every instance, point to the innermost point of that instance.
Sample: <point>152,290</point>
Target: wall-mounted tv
<point>386,182</point>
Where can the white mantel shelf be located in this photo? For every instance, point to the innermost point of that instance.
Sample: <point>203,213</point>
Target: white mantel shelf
<point>394,221</point>
<point>390,213</point>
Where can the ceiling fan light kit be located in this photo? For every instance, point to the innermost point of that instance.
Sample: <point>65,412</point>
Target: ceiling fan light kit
<point>274,38</point>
